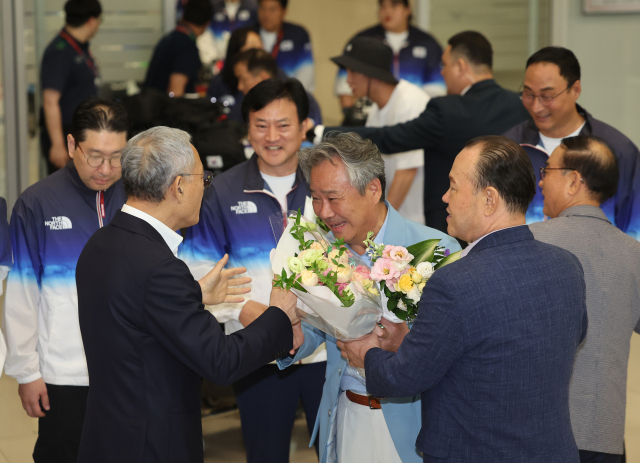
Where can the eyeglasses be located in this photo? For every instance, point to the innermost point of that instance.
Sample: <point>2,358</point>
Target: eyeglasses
<point>545,100</point>
<point>97,161</point>
<point>543,170</point>
<point>206,177</point>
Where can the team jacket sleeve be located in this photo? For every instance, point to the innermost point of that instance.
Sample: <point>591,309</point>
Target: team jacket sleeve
<point>204,245</point>
<point>436,335</point>
<point>305,67</point>
<point>23,298</point>
<point>423,132</point>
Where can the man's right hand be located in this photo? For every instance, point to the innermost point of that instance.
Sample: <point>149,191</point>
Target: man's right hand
<point>286,301</point>
<point>31,394</point>
<point>59,155</point>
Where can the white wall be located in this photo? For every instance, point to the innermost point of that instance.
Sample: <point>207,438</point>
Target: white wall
<point>607,48</point>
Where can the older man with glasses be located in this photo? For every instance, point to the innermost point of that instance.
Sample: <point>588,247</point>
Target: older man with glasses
<point>146,334</point>
<point>580,175</point>
<point>550,92</point>
<point>50,224</point>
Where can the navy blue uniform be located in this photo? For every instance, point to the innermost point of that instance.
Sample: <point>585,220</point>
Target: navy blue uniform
<point>71,71</point>
<point>176,53</point>
<point>68,67</point>
<point>234,220</point>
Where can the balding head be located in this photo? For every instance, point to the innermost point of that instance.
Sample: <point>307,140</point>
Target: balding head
<point>594,160</point>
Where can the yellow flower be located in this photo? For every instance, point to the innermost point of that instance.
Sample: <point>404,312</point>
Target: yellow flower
<point>405,283</point>
<point>421,286</point>
<point>415,276</point>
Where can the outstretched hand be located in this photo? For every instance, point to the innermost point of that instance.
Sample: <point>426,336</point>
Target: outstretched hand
<point>219,286</point>
<point>355,351</point>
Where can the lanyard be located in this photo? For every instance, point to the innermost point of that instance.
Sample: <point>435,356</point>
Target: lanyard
<point>100,207</point>
<point>87,59</point>
<point>186,30</point>
<point>276,47</point>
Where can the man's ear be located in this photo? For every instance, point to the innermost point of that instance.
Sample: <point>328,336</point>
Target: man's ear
<point>491,200</point>
<point>177,189</point>
<point>374,188</point>
<point>575,182</point>
<point>306,125</point>
<point>71,145</point>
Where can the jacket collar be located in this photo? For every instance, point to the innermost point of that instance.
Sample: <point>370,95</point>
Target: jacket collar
<point>135,225</point>
<point>396,229</point>
<point>531,134</point>
<point>253,181</point>
<point>75,179</point>
<point>501,237</point>
<point>584,211</point>
<point>482,85</point>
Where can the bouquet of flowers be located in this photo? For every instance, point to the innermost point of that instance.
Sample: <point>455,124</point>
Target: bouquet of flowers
<point>326,275</point>
<point>403,272</point>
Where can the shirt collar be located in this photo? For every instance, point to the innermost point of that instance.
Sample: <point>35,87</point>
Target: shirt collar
<point>468,249</point>
<point>169,236</point>
<point>379,239</point>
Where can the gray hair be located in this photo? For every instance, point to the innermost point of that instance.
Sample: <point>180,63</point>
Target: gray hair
<point>361,158</point>
<point>153,159</point>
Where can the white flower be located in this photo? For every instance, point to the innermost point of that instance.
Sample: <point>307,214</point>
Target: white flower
<point>401,305</point>
<point>414,294</point>
<point>425,269</point>
<point>400,265</point>
<point>295,264</point>
<point>344,274</point>
<point>309,278</point>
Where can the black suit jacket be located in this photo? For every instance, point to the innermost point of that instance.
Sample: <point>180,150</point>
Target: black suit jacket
<point>444,127</point>
<point>148,340</point>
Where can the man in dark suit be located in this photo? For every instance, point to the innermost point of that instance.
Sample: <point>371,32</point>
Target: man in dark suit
<point>146,335</point>
<point>475,105</point>
<point>492,348</point>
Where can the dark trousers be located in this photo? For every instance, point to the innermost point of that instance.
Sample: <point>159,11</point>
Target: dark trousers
<point>268,399</point>
<point>60,430</point>
<point>587,456</point>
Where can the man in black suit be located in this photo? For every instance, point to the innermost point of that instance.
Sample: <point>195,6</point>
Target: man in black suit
<point>475,105</point>
<point>146,335</point>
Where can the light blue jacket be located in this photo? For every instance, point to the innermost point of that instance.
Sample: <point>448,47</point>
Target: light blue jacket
<point>401,414</point>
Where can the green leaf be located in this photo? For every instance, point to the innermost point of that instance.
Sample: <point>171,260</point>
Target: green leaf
<point>392,304</point>
<point>401,314</point>
<point>422,251</point>
<point>449,259</point>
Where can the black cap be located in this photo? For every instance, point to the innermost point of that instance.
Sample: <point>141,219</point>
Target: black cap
<point>368,56</point>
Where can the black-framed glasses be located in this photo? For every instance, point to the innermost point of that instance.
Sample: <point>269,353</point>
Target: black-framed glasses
<point>543,170</point>
<point>528,97</point>
<point>206,177</point>
<point>97,161</point>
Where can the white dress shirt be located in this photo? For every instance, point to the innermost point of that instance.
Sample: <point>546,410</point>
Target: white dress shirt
<point>172,238</point>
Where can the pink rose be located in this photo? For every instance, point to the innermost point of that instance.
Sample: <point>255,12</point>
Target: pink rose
<point>360,273</point>
<point>341,287</point>
<point>384,269</point>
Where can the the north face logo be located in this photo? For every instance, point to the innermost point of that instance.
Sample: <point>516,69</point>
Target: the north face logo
<point>58,223</point>
<point>244,207</point>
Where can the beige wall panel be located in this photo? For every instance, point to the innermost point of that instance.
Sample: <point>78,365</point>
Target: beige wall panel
<point>330,24</point>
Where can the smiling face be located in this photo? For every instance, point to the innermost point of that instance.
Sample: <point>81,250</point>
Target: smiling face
<point>348,214</point>
<point>557,118</point>
<point>276,136</point>
<point>99,145</point>
<point>464,203</point>
<point>394,16</point>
